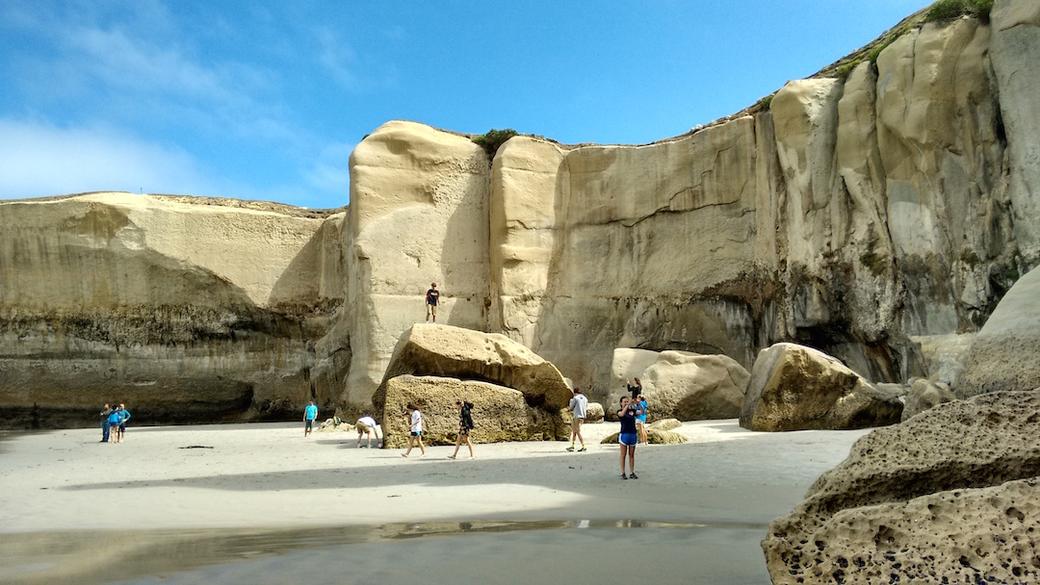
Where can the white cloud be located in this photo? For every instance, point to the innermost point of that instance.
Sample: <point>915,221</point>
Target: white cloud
<point>329,172</point>
<point>41,159</point>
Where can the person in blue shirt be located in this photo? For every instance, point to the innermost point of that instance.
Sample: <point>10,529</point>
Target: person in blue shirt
<point>628,437</point>
<point>641,419</point>
<point>309,414</point>
<point>115,418</point>
<point>107,410</point>
<point>124,416</point>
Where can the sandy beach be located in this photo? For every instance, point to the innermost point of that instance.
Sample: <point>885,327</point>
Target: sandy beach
<point>207,481</point>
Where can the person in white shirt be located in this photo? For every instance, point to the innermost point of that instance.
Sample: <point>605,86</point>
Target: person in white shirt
<point>578,405</point>
<point>367,425</point>
<point>415,430</point>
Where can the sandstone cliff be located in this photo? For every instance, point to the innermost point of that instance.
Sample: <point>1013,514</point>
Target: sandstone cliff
<point>850,213</point>
<point>187,309</point>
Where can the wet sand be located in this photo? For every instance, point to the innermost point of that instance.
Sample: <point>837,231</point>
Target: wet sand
<point>151,493</point>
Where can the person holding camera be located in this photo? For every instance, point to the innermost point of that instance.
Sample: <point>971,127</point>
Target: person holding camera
<point>465,426</point>
<point>628,438</point>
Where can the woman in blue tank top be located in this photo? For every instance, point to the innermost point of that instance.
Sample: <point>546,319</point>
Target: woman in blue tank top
<point>628,436</point>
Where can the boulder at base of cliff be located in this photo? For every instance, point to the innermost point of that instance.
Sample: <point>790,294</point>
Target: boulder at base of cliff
<point>794,387</point>
<point>1005,355</point>
<point>680,384</point>
<point>653,436</point>
<point>454,352</point>
<point>594,413</point>
<point>949,496</point>
<point>666,424</point>
<point>925,394</point>
<point>499,413</point>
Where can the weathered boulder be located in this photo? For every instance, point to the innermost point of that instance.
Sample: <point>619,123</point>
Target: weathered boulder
<point>499,413</point>
<point>683,385</point>
<point>653,437</point>
<point>1005,355</point>
<point>951,495</point>
<point>594,413</point>
<point>925,394</point>
<point>794,387</point>
<point>454,352</point>
<point>665,424</point>
<point>943,355</point>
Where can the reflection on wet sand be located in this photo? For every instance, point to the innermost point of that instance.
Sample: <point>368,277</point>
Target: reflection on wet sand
<point>106,557</point>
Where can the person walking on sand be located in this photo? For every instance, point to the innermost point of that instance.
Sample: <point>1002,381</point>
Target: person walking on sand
<point>310,413</point>
<point>414,430</point>
<point>433,297</point>
<point>579,406</point>
<point>124,417</point>
<point>641,419</point>
<point>635,388</point>
<point>367,425</point>
<point>114,419</point>
<point>465,426</point>
<point>628,437</point>
<point>105,411</point>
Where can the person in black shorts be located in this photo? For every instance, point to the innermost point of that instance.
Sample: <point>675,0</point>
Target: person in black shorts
<point>465,426</point>
<point>433,297</point>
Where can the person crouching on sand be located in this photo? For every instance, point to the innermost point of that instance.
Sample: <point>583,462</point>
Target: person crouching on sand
<point>367,425</point>
<point>628,436</point>
<point>465,426</point>
<point>414,429</point>
<point>310,413</point>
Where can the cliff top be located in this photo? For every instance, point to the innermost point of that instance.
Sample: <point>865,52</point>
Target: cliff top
<point>265,206</point>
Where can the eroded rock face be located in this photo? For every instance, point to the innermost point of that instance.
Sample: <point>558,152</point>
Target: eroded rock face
<point>454,352</point>
<point>925,394</point>
<point>187,309</point>
<point>499,413</point>
<point>1004,355</point>
<point>950,493</point>
<point>682,385</point>
<point>794,387</point>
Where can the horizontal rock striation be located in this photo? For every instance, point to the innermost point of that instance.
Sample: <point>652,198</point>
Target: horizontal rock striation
<point>186,309</point>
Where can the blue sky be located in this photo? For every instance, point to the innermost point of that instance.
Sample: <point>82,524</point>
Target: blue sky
<point>260,100</point>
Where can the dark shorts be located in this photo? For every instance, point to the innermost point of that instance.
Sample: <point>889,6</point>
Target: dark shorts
<point>416,434</point>
<point>309,424</point>
<point>629,439</point>
<point>463,431</point>
<point>122,428</point>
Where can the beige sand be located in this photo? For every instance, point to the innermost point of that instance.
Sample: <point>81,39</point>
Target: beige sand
<point>269,475</point>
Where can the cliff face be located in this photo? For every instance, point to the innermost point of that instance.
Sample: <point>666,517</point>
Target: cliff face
<point>187,311</point>
<point>850,214</point>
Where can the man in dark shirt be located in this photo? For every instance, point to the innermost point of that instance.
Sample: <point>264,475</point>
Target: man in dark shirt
<point>433,296</point>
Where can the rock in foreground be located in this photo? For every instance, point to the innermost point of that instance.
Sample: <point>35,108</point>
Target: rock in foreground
<point>796,388</point>
<point>653,436</point>
<point>949,496</point>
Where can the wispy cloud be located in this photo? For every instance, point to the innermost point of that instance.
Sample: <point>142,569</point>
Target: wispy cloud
<point>37,158</point>
<point>329,172</point>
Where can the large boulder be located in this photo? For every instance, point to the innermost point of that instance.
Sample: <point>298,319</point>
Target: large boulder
<point>653,437</point>
<point>794,387</point>
<point>949,496</point>
<point>666,424</point>
<point>594,413</point>
<point>1005,354</point>
<point>454,352</point>
<point>682,385</point>
<point>499,413</point>
<point>925,394</point>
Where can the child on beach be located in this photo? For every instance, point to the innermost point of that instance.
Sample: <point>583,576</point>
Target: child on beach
<point>415,429</point>
<point>310,413</point>
<point>641,419</point>
<point>114,420</point>
<point>107,410</point>
<point>124,417</point>
<point>367,425</point>
<point>465,426</point>
<point>628,436</point>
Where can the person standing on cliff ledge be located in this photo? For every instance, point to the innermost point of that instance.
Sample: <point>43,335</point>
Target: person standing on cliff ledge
<point>310,413</point>
<point>433,297</point>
